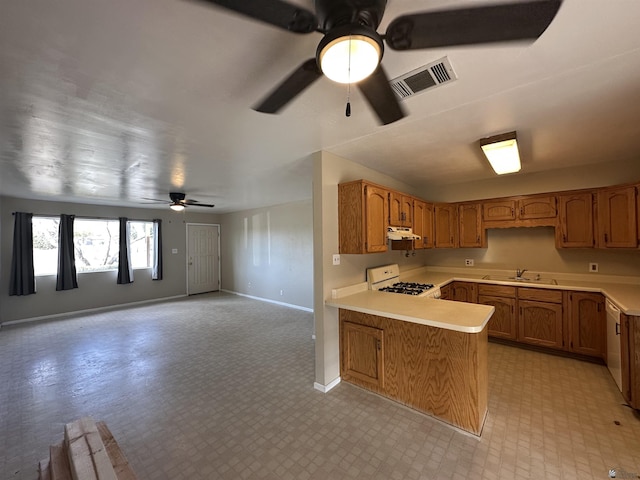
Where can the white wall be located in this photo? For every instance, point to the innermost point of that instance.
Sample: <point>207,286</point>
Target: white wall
<point>95,289</point>
<point>329,171</point>
<point>269,250</point>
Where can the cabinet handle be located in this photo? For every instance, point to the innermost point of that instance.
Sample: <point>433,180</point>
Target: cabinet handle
<point>379,345</point>
<point>564,237</point>
<point>478,239</point>
<point>606,238</point>
<point>512,211</point>
<point>522,211</point>
<point>617,328</point>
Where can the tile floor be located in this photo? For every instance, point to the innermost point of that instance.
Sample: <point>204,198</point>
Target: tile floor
<point>221,387</point>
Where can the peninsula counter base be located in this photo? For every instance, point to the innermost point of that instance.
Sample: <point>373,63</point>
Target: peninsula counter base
<point>440,372</point>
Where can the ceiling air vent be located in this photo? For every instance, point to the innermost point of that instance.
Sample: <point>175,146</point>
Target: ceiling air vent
<point>428,76</point>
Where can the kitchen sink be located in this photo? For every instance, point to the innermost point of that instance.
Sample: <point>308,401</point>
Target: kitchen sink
<point>535,280</point>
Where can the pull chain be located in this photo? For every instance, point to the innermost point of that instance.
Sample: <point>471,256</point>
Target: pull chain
<point>348,109</point>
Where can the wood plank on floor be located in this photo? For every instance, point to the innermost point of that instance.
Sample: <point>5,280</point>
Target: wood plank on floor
<point>116,455</point>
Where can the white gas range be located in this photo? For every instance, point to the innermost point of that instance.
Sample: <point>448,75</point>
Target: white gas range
<point>387,279</point>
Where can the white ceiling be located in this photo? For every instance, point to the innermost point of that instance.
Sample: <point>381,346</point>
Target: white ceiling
<point>105,100</point>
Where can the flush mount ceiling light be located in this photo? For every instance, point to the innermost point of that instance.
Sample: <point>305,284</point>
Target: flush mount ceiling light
<point>349,54</point>
<point>502,152</point>
<point>176,207</point>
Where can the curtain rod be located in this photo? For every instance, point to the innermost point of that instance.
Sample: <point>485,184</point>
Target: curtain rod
<point>85,217</point>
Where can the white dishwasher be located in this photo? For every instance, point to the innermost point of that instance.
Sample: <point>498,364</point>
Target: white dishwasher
<point>613,343</point>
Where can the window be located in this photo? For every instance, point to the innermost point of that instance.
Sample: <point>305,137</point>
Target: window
<point>95,243</point>
<point>141,244</point>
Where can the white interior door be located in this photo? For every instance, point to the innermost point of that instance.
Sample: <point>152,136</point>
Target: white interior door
<point>203,258</point>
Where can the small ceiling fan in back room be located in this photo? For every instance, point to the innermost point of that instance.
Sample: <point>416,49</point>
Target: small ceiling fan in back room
<point>179,202</point>
<point>351,49</point>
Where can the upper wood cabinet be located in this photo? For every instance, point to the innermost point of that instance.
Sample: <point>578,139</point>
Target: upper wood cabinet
<point>470,225</point>
<point>530,208</point>
<point>522,211</point>
<point>445,225</point>
<point>400,210</point>
<point>587,324</point>
<point>575,221</point>
<point>363,211</point>
<point>423,223</point>
<point>499,210</point>
<point>617,220</point>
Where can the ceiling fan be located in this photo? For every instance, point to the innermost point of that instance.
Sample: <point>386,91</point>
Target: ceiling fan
<point>351,49</point>
<point>179,202</point>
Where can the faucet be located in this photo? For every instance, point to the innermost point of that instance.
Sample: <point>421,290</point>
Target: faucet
<point>519,272</point>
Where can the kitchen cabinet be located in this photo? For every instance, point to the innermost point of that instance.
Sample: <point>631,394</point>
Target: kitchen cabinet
<point>630,361</point>
<point>423,223</point>
<point>464,292</point>
<point>503,322</point>
<point>400,210</point>
<point>363,211</point>
<point>575,221</point>
<point>445,292</point>
<point>470,225</point>
<point>445,226</point>
<point>362,353</point>
<point>527,211</point>
<point>617,218</point>
<point>540,317</point>
<point>587,327</point>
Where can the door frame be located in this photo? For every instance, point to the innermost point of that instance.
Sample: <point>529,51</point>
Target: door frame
<point>186,249</point>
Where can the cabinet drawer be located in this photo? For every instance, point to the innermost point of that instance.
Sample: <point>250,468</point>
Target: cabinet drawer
<point>540,295</point>
<point>497,290</point>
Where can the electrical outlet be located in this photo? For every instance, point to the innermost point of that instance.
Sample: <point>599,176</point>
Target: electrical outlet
<point>593,267</point>
<point>469,262</point>
<point>174,251</point>
<point>336,259</point>
<point>281,292</point>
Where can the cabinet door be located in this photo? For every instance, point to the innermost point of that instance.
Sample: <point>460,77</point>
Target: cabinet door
<point>376,213</point>
<point>446,230</point>
<point>587,321</point>
<point>423,223</point>
<point>499,210</point>
<point>464,292</point>
<point>540,323</point>
<point>502,323</point>
<point>362,353</point>
<point>617,222</point>
<point>470,216</point>
<point>536,207</point>
<point>575,221</point>
<point>400,210</point>
<point>445,292</point>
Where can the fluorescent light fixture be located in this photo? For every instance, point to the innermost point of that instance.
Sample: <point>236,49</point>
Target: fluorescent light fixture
<point>350,54</point>
<point>176,207</point>
<point>502,152</point>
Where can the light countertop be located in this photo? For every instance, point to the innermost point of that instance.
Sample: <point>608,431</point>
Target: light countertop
<point>624,292</point>
<point>458,316</point>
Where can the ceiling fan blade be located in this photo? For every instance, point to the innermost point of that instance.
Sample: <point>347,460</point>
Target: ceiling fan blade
<point>274,12</point>
<point>301,78</point>
<point>380,96</point>
<point>196,203</point>
<point>467,26</point>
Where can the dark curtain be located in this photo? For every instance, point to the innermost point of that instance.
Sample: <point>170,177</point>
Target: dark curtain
<point>67,278</point>
<point>22,279</point>
<point>125,271</point>
<point>156,273</point>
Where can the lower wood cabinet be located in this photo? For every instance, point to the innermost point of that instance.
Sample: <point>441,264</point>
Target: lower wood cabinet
<point>587,327</point>
<point>464,292</point>
<point>362,353</point>
<point>540,323</point>
<point>630,353</point>
<point>503,321</point>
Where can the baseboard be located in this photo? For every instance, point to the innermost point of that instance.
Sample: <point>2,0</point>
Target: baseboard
<point>88,310</point>
<point>326,388</point>
<point>290,305</point>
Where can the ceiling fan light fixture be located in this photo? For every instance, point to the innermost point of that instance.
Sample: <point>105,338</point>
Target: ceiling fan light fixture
<point>502,152</point>
<point>176,207</point>
<point>349,55</point>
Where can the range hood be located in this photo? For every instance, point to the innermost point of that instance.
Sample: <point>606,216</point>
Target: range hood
<point>401,233</point>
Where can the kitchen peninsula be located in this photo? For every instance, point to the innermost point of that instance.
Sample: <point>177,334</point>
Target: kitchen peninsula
<point>426,353</point>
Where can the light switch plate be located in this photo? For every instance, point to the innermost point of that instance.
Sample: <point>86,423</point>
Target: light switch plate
<point>174,250</point>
